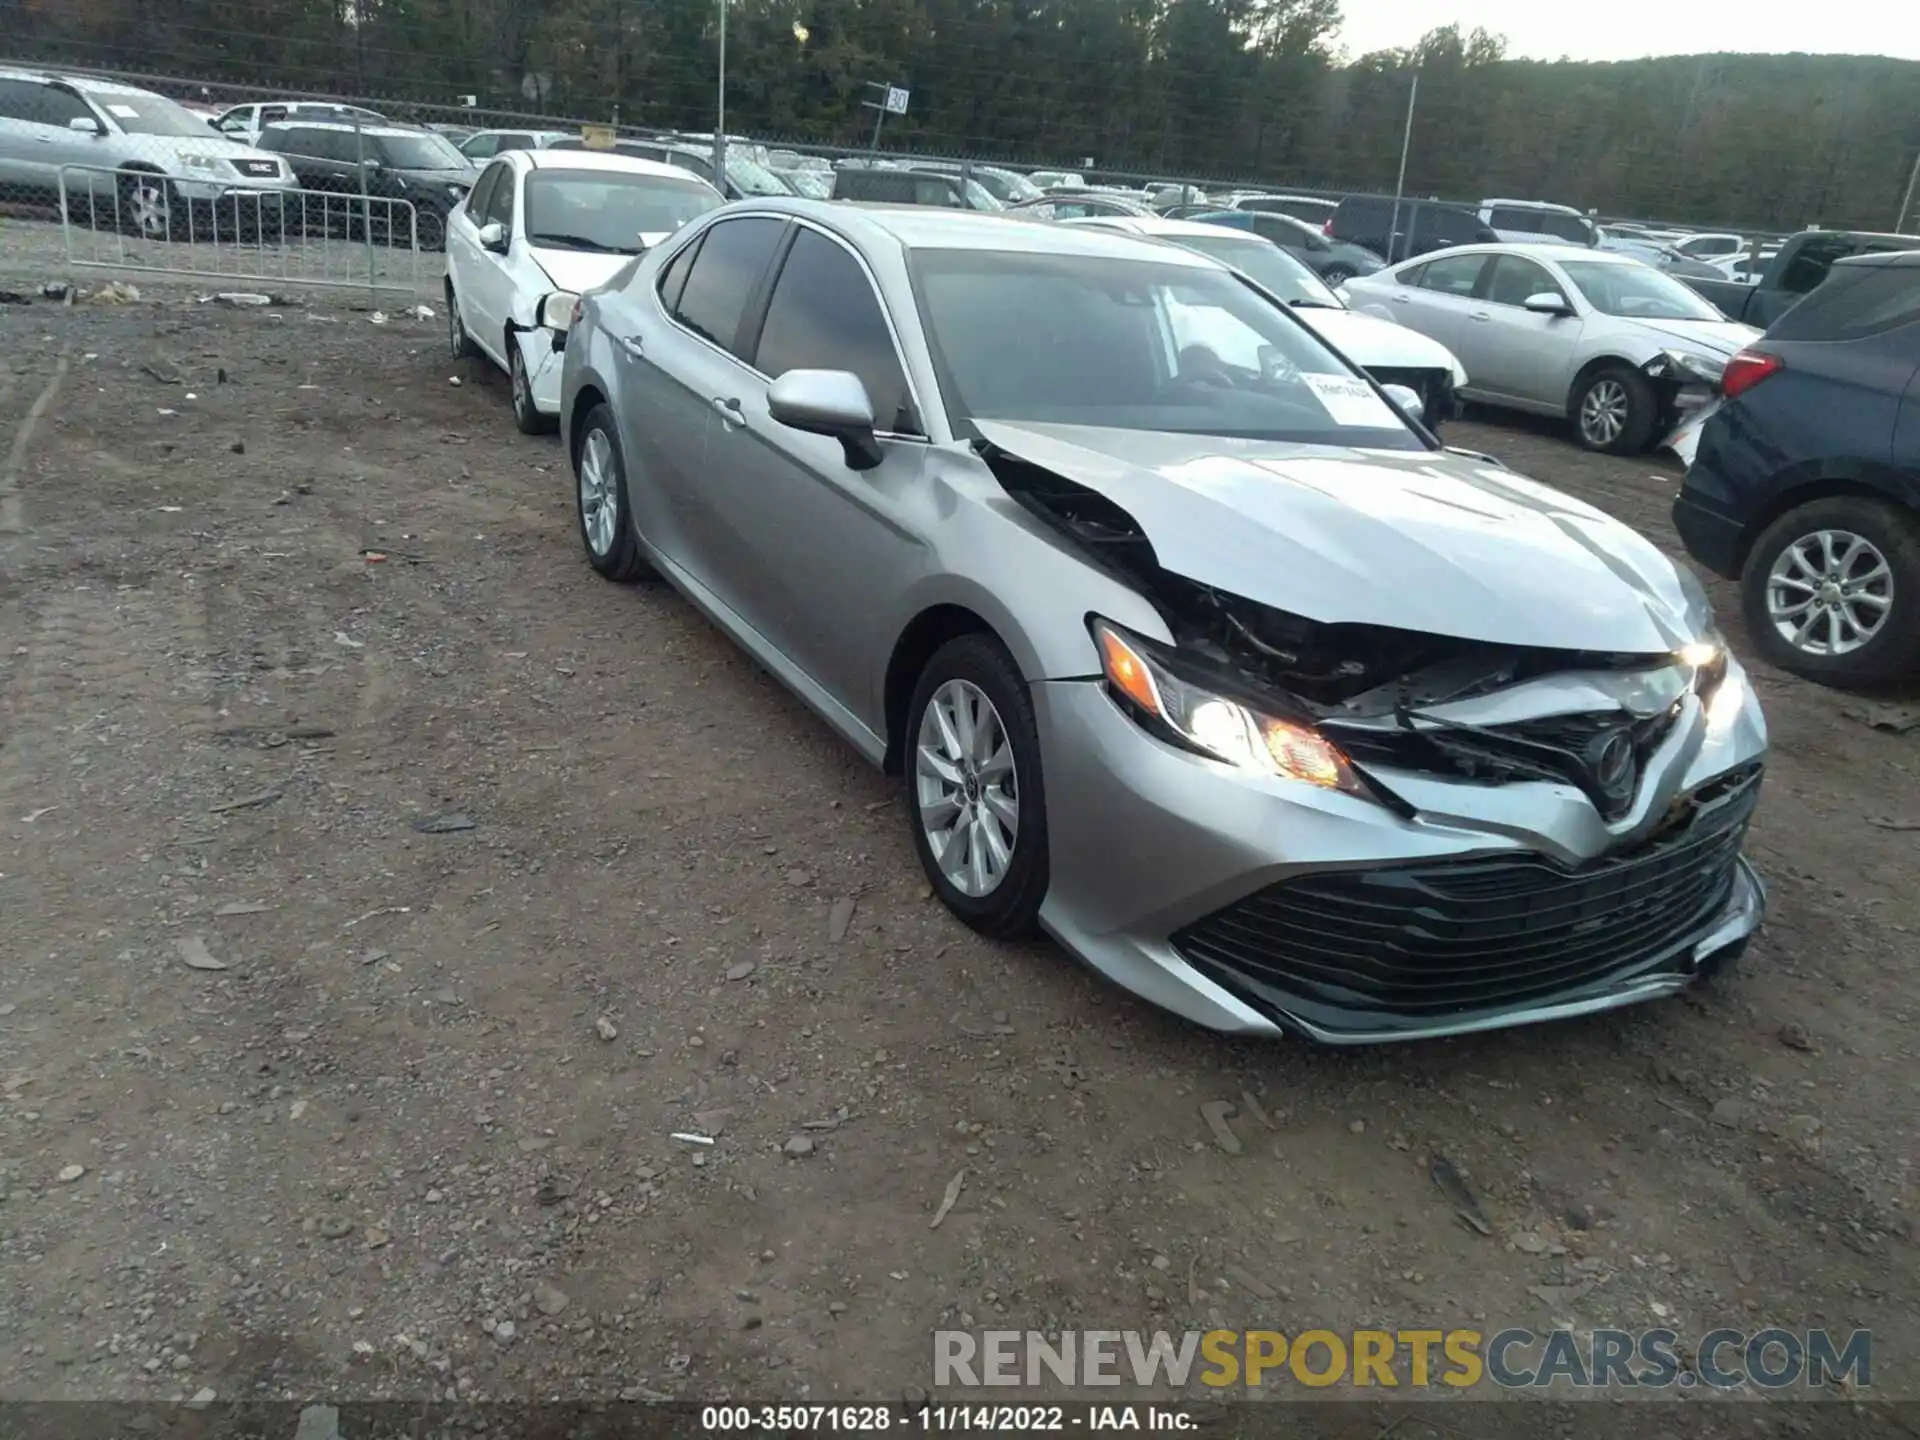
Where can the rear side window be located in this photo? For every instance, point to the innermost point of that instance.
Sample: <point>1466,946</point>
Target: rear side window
<point>1811,262</point>
<point>824,315</point>
<point>930,191</point>
<point>731,261</point>
<point>1855,302</point>
<point>674,275</point>
<point>482,147</point>
<point>1314,212</point>
<point>1447,226</point>
<point>1452,274</point>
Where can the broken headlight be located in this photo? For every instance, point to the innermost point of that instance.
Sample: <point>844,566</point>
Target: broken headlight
<point>1706,662</point>
<point>1201,719</point>
<point>1699,369</point>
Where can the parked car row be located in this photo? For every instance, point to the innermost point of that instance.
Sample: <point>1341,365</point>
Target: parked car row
<point>1085,529</point>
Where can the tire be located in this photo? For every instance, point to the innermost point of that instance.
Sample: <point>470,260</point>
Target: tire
<point>526,417</point>
<point>459,343</point>
<point>611,545</point>
<point>146,205</point>
<point>1337,274</point>
<point>430,230</point>
<point>971,668</point>
<point>1625,411</point>
<point>1771,581</point>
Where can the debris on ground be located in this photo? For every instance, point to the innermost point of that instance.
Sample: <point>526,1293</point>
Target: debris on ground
<point>741,969</point>
<point>1893,719</point>
<point>240,299</point>
<point>1731,1112</point>
<point>71,1173</point>
<point>1795,1036</point>
<point>798,1146</point>
<point>548,1298</point>
<point>1885,824</point>
<point>57,290</point>
<point>447,824</point>
<point>1252,1106</point>
<point>1216,1113</point>
<point>1453,1185</point>
<point>948,1200</point>
<point>242,907</point>
<point>246,802</point>
<point>421,312</point>
<point>115,292</point>
<point>13,297</point>
<point>193,949</point>
<point>378,317</point>
<point>691,1138</point>
<point>605,1029</point>
<point>840,918</point>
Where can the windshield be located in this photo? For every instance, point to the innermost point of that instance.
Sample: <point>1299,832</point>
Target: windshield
<point>1006,187</point>
<point>1152,345</point>
<point>810,183</point>
<point>1266,264</point>
<point>421,152</point>
<point>609,210</point>
<point>980,198</point>
<point>149,114</point>
<point>753,178</point>
<point>1635,292</point>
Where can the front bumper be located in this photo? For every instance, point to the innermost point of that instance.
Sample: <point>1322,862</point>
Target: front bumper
<point>1167,868</point>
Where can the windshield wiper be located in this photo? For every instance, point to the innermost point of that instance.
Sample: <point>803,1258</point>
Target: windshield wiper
<point>581,242</point>
<point>1313,305</point>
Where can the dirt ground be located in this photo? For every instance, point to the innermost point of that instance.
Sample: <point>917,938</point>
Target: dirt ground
<point>275,592</point>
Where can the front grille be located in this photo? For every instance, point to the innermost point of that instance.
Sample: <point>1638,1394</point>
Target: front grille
<point>1550,747</point>
<point>1428,942</point>
<point>258,167</point>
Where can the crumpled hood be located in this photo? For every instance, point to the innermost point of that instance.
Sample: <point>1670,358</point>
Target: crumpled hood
<point>1716,337</point>
<point>1373,343</point>
<point>577,270</point>
<point>1409,539</point>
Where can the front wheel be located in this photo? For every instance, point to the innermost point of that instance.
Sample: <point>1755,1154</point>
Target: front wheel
<point>1831,592</point>
<point>526,414</point>
<point>146,205</point>
<point>459,343</point>
<point>606,524</point>
<point>975,800</point>
<point>1338,274</point>
<point>1614,411</point>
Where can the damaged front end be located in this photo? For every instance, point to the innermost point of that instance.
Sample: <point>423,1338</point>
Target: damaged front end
<point>1688,387</point>
<point>1479,897</point>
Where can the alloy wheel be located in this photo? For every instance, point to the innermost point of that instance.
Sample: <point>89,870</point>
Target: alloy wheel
<point>523,409</point>
<point>456,330</point>
<point>1603,412</point>
<point>599,498</point>
<point>147,207</point>
<point>966,788</point>
<point>1829,592</point>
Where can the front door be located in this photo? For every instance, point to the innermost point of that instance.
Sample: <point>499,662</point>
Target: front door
<point>1511,351</point>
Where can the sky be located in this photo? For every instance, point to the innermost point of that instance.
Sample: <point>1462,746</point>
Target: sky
<point>1630,29</point>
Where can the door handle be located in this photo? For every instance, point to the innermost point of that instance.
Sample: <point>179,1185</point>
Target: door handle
<point>633,345</point>
<point>729,409</point>
<point>1400,299</point>
<point>1481,315</point>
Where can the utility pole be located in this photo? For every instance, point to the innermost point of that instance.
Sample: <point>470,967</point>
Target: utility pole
<point>1400,185</point>
<point>1900,225</point>
<point>720,111</point>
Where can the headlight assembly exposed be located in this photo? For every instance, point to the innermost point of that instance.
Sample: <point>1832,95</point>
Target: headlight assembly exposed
<point>1703,369</point>
<point>1197,718</point>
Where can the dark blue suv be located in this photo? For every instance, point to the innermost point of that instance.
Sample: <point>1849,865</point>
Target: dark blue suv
<point>1806,484</point>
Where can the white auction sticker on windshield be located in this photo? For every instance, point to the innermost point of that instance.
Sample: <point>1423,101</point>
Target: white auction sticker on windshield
<point>1351,401</point>
<point>123,112</point>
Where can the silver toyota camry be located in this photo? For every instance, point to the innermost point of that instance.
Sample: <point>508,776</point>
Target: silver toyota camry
<point>1185,646</point>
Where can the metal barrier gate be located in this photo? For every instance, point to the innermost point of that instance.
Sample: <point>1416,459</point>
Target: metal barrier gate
<point>138,220</point>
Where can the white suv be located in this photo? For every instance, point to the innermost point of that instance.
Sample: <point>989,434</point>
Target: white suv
<point>245,122</point>
<point>1538,222</point>
<point>131,156</point>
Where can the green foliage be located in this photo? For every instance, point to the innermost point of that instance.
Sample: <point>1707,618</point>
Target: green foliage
<point>1214,89</point>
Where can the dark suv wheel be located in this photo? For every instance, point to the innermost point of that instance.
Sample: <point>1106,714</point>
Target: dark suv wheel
<point>1831,591</point>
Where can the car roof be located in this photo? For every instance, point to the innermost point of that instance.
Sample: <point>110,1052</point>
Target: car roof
<point>929,227</point>
<point>384,130</point>
<point>1560,254</point>
<point>78,82</point>
<point>1155,225</point>
<point>1547,206</point>
<point>1887,259</point>
<point>598,160</point>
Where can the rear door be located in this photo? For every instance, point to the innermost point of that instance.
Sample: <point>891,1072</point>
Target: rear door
<point>690,392</point>
<point>1439,298</point>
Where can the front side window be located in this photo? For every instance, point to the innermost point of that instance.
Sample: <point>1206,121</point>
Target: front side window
<point>1637,292</point>
<point>1515,280</point>
<point>824,315</point>
<point>43,104</point>
<point>1133,344</point>
<point>499,209</point>
<point>732,258</point>
<point>610,211</point>
<point>481,147</point>
<point>482,194</point>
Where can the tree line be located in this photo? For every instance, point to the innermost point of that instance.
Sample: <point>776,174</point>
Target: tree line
<point>1212,89</point>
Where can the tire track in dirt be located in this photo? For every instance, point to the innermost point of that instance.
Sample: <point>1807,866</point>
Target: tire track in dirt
<point>12,510</point>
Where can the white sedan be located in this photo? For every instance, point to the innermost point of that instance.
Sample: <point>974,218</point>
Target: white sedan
<point>1392,354</point>
<point>541,224</point>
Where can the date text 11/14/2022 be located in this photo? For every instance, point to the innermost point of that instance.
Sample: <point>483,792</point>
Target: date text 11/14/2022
<point>938,1419</point>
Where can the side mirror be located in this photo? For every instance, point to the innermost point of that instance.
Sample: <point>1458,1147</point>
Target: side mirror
<point>1547,303</point>
<point>493,236</point>
<point>86,125</point>
<point>557,312</point>
<point>1407,401</point>
<point>828,402</point>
